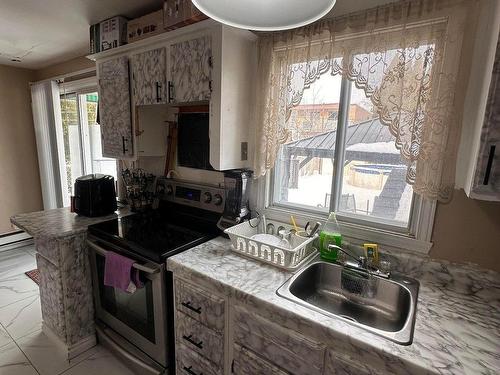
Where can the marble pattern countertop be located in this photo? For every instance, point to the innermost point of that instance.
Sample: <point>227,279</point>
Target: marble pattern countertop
<point>457,328</point>
<point>59,222</point>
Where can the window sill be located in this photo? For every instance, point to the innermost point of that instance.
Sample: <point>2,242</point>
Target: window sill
<point>355,233</point>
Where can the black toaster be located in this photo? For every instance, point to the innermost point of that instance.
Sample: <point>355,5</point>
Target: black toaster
<point>95,195</point>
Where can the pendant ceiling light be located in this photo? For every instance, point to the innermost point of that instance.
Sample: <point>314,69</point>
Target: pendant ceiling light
<point>265,15</point>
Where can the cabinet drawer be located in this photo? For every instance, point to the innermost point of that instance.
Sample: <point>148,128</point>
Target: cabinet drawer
<point>248,363</point>
<point>285,348</point>
<point>200,305</point>
<point>342,364</point>
<point>199,338</point>
<point>191,363</point>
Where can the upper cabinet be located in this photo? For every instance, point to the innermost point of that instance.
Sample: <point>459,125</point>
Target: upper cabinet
<point>114,108</point>
<point>478,166</point>
<point>191,70</point>
<point>203,63</point>
<point>149,77</point>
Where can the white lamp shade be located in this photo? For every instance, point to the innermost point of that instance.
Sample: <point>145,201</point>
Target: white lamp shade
<point>265,15</point>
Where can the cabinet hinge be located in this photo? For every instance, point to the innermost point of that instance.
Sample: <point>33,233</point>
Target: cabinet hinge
<point>232,367</point>
<point>210,62</point>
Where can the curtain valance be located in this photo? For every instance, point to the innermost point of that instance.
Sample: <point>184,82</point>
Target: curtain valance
<point>405,56</point>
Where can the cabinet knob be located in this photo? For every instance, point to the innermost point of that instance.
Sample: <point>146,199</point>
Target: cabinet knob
<point>207,197</point>
<point>217,199</point>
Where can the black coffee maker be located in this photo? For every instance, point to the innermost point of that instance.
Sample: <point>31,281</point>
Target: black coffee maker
<point>237,189</point>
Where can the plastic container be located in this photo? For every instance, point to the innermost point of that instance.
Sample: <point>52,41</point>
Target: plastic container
<point>330,235</point>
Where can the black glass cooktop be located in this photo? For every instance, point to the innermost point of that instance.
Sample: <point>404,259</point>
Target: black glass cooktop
<point>154,236</point>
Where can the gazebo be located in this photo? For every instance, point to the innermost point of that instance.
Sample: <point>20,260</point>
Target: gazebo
<point>368,141</point>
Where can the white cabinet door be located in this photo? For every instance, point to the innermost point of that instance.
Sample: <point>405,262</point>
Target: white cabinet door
<point>114,109</point>
<point>149,77</point>
<point>487,177</point>
<point>191,70</point>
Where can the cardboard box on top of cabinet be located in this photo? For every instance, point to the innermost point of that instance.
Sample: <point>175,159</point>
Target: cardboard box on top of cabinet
<point>178,13</point>
<point>113,32</point>
<point>145,26</point>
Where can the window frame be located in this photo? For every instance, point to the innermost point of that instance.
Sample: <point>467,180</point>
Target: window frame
<point>415,236</point>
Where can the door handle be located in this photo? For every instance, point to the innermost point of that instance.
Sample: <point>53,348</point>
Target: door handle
<point>190,371</point>
<point>170,89</point>
<point>141,267</point>
<point>489,165</point>
<point>188,305</point>
<point>158,93</point>
<point>125,149</point>
<point>191,341</point>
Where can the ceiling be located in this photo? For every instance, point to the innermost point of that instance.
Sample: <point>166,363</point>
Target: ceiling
<point>43,33</point>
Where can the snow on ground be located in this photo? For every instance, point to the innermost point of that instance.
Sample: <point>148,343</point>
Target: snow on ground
<point>313,189</point>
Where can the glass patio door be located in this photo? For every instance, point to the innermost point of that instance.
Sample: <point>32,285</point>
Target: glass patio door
<point>82,138</point>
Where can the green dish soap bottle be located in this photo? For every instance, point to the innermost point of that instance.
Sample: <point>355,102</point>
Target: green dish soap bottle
<point>330,235</point>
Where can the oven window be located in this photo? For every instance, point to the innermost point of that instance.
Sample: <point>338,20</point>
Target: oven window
<point>135,310</point>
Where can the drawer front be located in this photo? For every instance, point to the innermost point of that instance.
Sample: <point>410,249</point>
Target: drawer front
<point>200,305</point>
<point>191,363</point>
<point>199,338</point>
<point>248,363</point>
<point>342,365</point>
<point>285,348</point>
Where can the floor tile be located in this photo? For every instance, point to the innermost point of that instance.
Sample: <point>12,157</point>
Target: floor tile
<point>46,356</point>
<point>4,337</point>
<point>15,262</point>
<point>100,363</point>
<point>30,249</point>
<point>22,317</point>
<point>14,362</point>
<point>15,288</point>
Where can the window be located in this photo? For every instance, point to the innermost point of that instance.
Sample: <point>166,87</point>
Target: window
<point>82,137</point>
<point>335,126</point>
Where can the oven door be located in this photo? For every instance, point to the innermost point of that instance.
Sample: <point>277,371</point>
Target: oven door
<point>138,317</point>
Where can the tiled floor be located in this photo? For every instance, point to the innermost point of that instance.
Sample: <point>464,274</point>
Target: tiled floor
<point>24,348</point>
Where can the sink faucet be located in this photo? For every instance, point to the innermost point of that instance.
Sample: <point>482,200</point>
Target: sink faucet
<point>361,263</point>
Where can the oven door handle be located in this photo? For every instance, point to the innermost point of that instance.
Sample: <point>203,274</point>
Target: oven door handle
<point>141,267</point>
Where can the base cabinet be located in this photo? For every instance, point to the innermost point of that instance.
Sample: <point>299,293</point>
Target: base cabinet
<point>245,362</point>
<point>217,335</point>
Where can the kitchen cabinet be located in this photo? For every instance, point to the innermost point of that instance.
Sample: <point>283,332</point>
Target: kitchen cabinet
<point>246,362</point>
<point>200,321</point>
<point>114,108</point>
<point>216,334</point>
<point>191,70</point>
<point>206,63</point>
<point>478,166</point>
<point>151,129</point>
<point>149,77</point>
<point>336,364</point>
<point>486,181</point>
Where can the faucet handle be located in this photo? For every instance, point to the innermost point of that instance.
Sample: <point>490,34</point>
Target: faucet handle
<point>384,266</point>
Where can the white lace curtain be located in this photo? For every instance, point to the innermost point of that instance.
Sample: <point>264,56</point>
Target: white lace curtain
<point>405,56</point>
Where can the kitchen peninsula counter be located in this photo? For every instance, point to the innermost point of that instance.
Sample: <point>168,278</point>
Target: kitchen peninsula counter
<point>65,276</point>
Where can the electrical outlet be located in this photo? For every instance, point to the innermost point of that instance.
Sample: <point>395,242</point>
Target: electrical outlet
<point>244,150</point>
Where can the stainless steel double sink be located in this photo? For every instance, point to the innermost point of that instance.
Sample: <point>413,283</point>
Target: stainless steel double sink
<point>388,309</point>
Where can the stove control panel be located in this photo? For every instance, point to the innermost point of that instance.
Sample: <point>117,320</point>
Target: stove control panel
<point>206,197</point>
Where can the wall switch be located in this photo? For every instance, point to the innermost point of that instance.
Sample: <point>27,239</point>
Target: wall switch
<point>244,150</point>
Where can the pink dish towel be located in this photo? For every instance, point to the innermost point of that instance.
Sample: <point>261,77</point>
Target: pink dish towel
<point>119,273</point>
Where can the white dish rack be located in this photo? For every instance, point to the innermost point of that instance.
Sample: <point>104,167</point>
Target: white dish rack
<point>291,257</point>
